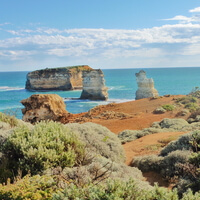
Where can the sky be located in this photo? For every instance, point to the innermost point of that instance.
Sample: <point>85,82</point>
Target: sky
<point>106,34</point>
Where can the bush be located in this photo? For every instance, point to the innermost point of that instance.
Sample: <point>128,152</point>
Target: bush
<point>183,143</point>
<point>33,188</point>
<point>148,163</point>
<point>195,92</point>
<point>187,99</point>
<point>176,124</point>
<point>170,165</point>
<point>11,120</point>
<point>168,107</point>
<point>99,140</point>
<point>99,170</point>
<point>188,141</point>
<point>115,190</point>
<point>192,106</point>
<point>130,135</point>
<point>49,144</point>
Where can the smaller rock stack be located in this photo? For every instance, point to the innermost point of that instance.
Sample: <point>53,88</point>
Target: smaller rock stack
<point>94,85</point>
<point>145,86</point>
<point>40,107</point>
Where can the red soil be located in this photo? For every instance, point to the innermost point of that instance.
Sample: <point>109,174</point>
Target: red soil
<point>139,115</point>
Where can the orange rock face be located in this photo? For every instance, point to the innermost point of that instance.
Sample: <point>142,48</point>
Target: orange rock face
<point>40,107</point>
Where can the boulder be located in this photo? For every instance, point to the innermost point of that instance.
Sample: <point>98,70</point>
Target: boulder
<point>40,107</point>
<point>94,86</point>
<point>145,86</point>
<point>159,110</point>
<point>63,78</point>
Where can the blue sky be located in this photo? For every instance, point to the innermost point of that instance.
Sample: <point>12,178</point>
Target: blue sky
<point>36,34</point>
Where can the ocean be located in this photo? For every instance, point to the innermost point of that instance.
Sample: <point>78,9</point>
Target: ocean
<point>121,85</point>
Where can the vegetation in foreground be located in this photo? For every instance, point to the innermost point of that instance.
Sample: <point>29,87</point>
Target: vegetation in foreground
<point>55,161</point>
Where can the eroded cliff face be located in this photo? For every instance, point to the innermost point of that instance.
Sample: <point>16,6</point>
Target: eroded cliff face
<point>145,86</point>
<point>65,78</point>
<point>40,107</point>
<point>94,86</point>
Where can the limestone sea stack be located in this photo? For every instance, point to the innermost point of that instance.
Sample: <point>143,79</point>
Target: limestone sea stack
<point>94,86</point>
<point>145,86</point>
<point>40,107</point>
<point>63,78</point>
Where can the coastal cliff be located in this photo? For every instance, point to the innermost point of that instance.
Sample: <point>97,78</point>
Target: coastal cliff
<point>94,86</point>
<point>64,78</point>
<point>145,86</point>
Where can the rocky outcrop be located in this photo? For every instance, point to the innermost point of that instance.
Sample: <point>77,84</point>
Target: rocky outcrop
<point>145,86</point>
<point>94,86</point>
<point>65,78</point>
<point>40,107</point>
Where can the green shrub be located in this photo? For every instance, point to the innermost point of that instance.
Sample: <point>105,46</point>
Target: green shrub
<point>195,92</point>
<point>99,170</point>
<point>49,144</point>
<point>168,107</point>
<point>29,188</point>
<point>188,141</point>
<point>148,163</point>
<point>176,123</point>
<point>170,165</point>
<point>115,190</point>
<point>99,140</point>
<point>11,120</point>
<point>130,135</point>
<point>187,99</point>
<point>192,106</point>
<point>189,195</point>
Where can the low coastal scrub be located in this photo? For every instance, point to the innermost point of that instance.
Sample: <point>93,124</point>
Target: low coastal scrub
<point>11,120</point>
<point>166,125</point>
<point>192,107</point>
<point>86,161</point>
<point>33,188</point>
<point>99,140</point>
<point>49,144</point>
<point>168,107</point>
<point>179,162</point>
<point>191,101</point>
<point>195,92</point>
<point>46,188</point>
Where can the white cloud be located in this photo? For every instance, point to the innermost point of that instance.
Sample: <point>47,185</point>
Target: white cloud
<point>81,42</point>
<point>3,24</point>
<point>185,19</point>
<point>155,44</point>
<point>180,18</point>
<point>195,10</point>
<point>15,54</point>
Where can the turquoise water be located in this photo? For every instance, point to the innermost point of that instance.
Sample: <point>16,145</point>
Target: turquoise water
<point>120,82</point>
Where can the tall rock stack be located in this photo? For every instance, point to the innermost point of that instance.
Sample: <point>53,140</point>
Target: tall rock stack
<point>94,85</point>
<point>145,86</point>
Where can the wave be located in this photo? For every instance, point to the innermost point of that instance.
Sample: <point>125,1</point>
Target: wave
<point>85,101</point>
<point>7,88</point>
<point>15,107</point>
<point>119,100</point>
<point>118,88</point>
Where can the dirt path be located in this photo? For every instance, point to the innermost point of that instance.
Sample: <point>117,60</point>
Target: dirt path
<point>148,144</point>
